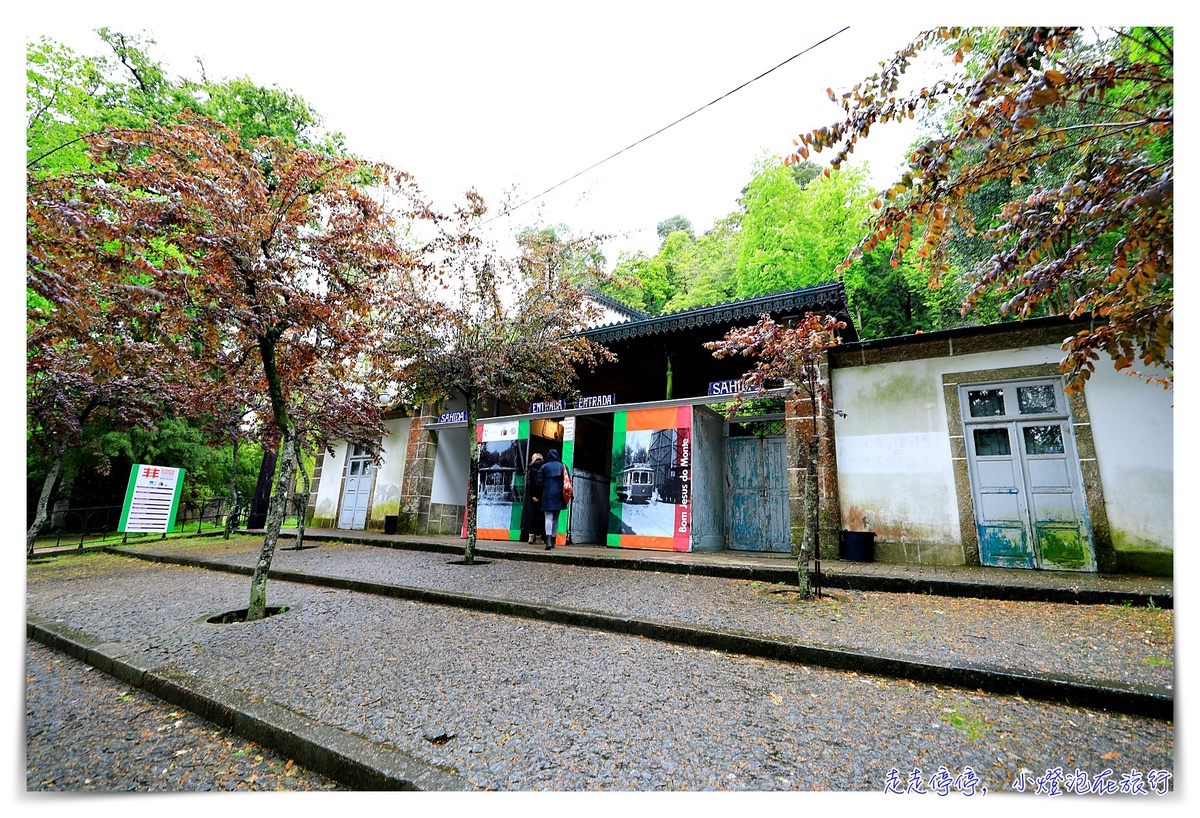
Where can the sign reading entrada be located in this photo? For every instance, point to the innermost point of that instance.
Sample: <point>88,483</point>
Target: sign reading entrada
<point>554,405</point>
<point>596,402</point>
<point>559,405</point>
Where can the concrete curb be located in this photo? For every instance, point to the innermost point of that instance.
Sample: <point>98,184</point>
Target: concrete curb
<point>1140,700</point>
<point>349,759</point>
<point>785,574</point>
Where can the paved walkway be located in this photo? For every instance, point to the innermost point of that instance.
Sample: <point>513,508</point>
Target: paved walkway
<point>988,638</point>
<point>977,581</point>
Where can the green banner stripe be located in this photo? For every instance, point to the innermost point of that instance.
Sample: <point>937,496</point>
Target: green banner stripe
<point>514,519</point>
<point>175,499</point>
<point>128,498</point>
<point>614,504</point>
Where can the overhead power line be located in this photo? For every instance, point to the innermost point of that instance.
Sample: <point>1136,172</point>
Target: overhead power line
<point>666,127</point>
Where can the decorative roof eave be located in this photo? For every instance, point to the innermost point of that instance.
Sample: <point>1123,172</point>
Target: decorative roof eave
<point>618,306</point>
<point>830,298</point>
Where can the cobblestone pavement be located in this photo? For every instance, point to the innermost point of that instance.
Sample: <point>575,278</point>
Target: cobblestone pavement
<point>1102,642</point>
<point>86,731</point>
<point>516,704</point>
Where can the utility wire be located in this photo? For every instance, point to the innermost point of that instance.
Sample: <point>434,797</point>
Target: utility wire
<point>665,127</point>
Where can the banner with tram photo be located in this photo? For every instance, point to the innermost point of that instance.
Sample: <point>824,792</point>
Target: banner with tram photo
<point>650,494</point>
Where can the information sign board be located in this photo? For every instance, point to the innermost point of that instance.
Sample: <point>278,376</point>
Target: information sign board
<point>152,498</point>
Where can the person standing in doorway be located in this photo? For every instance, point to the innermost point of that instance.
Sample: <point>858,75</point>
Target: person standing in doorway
<point>532,521</point>
<point>552,494</point>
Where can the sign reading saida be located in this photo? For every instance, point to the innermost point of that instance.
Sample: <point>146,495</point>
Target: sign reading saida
<point>152,499</point>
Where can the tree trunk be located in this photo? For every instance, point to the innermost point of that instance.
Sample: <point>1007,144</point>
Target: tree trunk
<point>276,511</point>
<point>62,501</point>
<point>472,479</point>
<point>808,546</point>
<point>277,507</point>
<point>39,517</point>
<point>812,507</point>
<point>302,506</point>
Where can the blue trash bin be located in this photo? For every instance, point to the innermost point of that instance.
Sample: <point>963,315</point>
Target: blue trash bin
<point>858,546</point>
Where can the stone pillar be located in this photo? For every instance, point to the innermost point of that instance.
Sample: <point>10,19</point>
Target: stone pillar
<point>417,485</point>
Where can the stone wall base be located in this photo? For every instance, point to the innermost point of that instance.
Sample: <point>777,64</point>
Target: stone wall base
<point>1149,563</point>
<point>919,553</point>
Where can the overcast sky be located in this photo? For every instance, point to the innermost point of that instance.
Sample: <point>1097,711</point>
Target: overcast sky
<point>527,94</point>
<point>521,96</point>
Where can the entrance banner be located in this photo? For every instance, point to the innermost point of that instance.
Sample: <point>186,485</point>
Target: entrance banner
<point>152,498</point>
<point>650,497</point>
<point>504,452</point>
<point>503,455</point>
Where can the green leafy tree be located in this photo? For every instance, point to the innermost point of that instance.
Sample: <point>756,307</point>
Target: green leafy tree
<point>73,97</point>
<point>1093,237</point>
<point>711,277</point>
<point>771,231</point>
<point>69,95</point>
<point>648,283</point>
<point>625,284</point>
<point>675,224</point>
<point>795,235</point>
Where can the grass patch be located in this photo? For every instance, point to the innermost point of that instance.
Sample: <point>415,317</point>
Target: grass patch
<point>973,726</point>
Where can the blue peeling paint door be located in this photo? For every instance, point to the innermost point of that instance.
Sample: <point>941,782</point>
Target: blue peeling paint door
<point>1001,510</point>
<point>756,492</point>
<point>1025,478</point>
<point>356,495</point>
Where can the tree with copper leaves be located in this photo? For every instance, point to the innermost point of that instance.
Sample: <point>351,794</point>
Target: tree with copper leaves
<point>500,327</point>
<point>1070,132</point>
<point>282,259</point>
<point>791,358</point>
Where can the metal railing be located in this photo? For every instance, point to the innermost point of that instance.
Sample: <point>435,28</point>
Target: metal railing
<point>97,522</point>
<point>100,523</point>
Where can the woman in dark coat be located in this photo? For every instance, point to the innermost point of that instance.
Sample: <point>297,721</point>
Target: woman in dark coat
<point>532,521</point>
<point>552,494</point>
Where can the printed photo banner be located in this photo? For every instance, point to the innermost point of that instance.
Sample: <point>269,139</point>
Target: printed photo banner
<point>650,502</point>
<point>504,451</point>
<point>151,499</point>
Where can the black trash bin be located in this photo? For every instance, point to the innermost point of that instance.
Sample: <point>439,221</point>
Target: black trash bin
<point>390,523</point>
<point>858,546</point>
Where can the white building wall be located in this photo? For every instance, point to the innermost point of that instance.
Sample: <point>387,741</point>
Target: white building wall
<point>895,474</point>
<point>329,489</point>
<point>389,476</point>
<point>1133,427</point>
